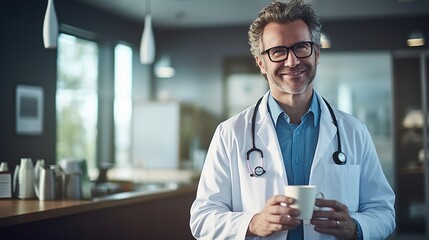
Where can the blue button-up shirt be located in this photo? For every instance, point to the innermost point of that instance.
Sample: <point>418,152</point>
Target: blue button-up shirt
<point>298,144</point>
<point>297,141</point>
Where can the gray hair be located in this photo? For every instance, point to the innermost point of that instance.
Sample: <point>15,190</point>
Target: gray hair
<point>283,13</point>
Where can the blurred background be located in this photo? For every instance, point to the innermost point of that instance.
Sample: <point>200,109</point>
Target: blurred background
<point>100,101</point>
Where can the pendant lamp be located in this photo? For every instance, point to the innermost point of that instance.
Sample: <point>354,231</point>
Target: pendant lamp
<point>50,26</point>
<point>416,39</point>
<point>147,45</point>
<point>326,42</point>
<point>163,68</point>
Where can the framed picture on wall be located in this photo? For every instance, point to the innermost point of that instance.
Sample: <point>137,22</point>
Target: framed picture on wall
<point>29,110</point>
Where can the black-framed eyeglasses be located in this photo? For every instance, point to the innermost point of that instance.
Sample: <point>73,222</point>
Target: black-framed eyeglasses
<point>280,53</point>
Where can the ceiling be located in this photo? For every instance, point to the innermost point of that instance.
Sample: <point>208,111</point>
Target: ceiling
<point>212,13</point>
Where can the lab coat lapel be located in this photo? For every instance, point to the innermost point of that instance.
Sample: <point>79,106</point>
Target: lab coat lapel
<point>327,132</point>
<point>266,132</point>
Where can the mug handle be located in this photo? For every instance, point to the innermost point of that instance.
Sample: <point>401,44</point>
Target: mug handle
<point>322,196</point>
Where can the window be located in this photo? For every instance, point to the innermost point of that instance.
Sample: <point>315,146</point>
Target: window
<point>123,104</point>
<point>360,84</point>
<point>77,99</point>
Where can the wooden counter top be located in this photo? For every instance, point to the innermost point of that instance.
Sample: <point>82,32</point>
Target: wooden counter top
<point>14,211</point>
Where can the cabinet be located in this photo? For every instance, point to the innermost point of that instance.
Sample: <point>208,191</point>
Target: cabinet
<point>411,141</point>
<point>163,215</point>
<point>165,133</point>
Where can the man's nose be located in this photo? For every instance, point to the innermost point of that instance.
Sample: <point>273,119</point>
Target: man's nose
<point>291,60</point>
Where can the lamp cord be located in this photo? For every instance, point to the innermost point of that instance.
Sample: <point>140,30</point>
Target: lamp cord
<point>147,10</point>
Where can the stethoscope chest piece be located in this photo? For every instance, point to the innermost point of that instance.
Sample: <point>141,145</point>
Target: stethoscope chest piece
<point>339,158</point>
<point>259,170</point>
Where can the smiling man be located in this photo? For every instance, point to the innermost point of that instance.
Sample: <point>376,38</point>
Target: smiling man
<point>291,136</point>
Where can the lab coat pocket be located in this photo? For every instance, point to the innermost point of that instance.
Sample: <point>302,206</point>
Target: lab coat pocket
<point>342,183</point>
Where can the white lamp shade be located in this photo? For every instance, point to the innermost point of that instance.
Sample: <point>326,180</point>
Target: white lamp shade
<point>326,42</point>
<point>416,39</point>
<point>147,45</point>
<point>50,26</point>
<point>163,68</point>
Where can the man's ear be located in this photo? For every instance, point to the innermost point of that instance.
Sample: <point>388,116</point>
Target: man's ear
<point>259,61</point>
<point>317,53</point>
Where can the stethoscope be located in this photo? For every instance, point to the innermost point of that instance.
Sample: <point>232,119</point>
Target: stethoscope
<point>339,157</point>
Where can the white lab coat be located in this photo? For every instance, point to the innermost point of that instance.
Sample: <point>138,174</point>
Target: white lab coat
<point>228,198</point>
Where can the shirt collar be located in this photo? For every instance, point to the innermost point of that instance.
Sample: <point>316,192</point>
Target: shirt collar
<point>276,110</point>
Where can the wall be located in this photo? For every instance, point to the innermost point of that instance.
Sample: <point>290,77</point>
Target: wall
<point>198,54</point>
<point>25,61</point>
<point>374,33</point>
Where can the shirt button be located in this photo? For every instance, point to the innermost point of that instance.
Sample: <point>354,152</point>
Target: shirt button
<point>297,161</point>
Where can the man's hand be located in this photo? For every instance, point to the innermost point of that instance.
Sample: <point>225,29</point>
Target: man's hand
<point>336,221</point>
<point>276,216</point>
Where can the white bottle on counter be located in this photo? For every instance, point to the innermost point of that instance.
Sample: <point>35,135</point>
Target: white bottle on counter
<point>26,179</point>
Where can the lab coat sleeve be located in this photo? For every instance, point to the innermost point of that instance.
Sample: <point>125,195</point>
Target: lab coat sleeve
<point>376,214</point>
<point>212,216</point>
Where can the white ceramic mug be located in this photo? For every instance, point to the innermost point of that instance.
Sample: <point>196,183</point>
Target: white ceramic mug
<point>305,198</point>
<point>46,186</point>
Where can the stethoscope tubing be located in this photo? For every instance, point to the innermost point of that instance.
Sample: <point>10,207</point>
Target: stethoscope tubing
<point>338,156</point>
